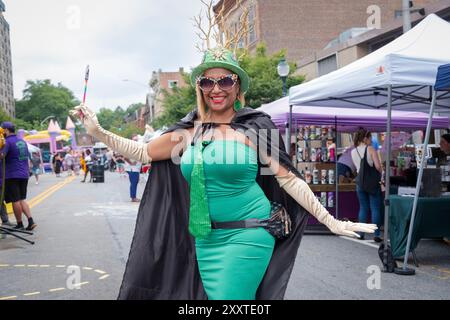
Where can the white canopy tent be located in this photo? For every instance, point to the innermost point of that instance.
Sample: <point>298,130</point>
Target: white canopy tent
<point>400,75</point>
<point>408,65</point>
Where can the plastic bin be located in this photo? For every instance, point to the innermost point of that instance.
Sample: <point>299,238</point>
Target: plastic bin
<point>98,173</point>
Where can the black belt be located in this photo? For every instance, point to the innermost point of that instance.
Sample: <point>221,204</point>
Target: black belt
<point>250,223</point>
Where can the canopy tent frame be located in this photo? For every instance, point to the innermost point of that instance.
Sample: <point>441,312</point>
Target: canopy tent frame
<point>403,73</point>
<point>406,98</point>
<point>389,103</point>
<point>422,165</point>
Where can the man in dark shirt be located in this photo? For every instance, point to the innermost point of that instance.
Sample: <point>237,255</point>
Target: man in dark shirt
<point>15,155</point>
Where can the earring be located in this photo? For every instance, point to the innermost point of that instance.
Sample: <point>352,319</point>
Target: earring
<point>237,105</point>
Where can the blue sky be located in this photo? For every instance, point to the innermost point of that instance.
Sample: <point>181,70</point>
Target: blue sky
<point>56,39</point>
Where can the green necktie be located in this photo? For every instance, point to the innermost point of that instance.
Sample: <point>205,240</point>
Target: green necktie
<point>199,219</point>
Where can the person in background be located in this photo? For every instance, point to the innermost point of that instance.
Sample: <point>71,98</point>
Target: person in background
<point>53,162</point>
<point>36,165</point>
<point>88,164</point>
<point>3,213</point>
<point>16,157</point>
<point>76,162</point>
<point>445,147</point>
<point>120,164</point>
<point>68,160</point>
<point>445,143</point>
<point>58,165</point>
<point>133,168</point>
<point>367,201</point>
<point>112,162</point>
<point>345,167</point>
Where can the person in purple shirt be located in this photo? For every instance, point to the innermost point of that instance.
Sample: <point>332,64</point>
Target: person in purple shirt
<point>3,213</point>
<point>15,154</point>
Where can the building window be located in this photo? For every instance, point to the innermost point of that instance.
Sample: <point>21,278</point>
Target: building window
<point>327,65</point>
<point>173,84</point>
<point>251,25</point>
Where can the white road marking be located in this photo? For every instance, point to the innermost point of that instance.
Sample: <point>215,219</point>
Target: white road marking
<point>87,268</point>
<point>100,271</point>
<point>60,266</point>
<point>364,242</point>
<point>31,294</point>
<point>8,298</point>
<point>33,265</point>
<point>19,265</point>
<point>103,277</point>
<point>4,265</point>
<point>57,289</point>
<point>44,266</point>
<point>80,284</point>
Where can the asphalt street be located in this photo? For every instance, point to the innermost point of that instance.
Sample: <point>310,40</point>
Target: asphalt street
<point>85,230</point>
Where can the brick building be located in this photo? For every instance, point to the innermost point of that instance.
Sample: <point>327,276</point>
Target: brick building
<point>305,26</point>
<point>342,53</point>
<point>163,81</point>
<point>6,83</point>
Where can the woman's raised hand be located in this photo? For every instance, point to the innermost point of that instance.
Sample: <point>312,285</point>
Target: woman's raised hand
<point>88,118</point>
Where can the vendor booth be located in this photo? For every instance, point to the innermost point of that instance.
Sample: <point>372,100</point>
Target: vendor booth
<point>400,75</point>
<point>313,127</point>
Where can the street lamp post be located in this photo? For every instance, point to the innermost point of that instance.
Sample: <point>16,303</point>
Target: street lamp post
<point>283,71</point>
<point>48,118</point>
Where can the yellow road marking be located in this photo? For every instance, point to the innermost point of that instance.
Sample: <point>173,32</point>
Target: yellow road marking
<point>100,271</point>
<point>49,190</point>
<point>45,194</point>
<point>104,276</point>
<point>49,193</point>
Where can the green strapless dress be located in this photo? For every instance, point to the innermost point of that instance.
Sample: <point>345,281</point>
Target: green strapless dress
<point>232,262</point>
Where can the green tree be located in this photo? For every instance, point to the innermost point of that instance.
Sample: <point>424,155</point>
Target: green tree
<point>127,130</point>
<point>265,83</point>
<point>108,118</point>
<point>19,123</point>
<point>265,86</point>
<point>42,99</point>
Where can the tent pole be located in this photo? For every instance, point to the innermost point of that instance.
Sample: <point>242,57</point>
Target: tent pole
<point>387,178</point>
<point>336,176</point>
<point>290,130</point>
<point>419,181</point>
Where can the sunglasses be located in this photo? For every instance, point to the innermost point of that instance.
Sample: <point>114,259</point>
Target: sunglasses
<point>225,83</point>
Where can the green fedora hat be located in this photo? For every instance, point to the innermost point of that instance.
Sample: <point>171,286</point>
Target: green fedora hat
<point>221,58</point>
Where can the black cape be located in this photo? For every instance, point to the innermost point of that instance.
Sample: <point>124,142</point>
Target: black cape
<point>162,263</point>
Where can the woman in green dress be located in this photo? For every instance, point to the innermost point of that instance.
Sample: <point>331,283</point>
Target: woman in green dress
<point>220,165</point>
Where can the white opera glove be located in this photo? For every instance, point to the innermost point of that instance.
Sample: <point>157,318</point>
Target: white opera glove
<point>300,191</point>
<point>128,148</point>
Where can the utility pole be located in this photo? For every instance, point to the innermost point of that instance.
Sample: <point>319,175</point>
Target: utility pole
<point>406,14</point>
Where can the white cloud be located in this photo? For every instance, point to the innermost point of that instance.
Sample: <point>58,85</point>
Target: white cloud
<point>56,39</point>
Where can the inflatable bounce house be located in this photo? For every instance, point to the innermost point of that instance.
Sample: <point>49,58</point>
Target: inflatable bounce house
<point>51,140</point>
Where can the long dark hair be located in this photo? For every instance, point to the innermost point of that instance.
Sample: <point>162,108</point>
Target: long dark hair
<point>360,135</point>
